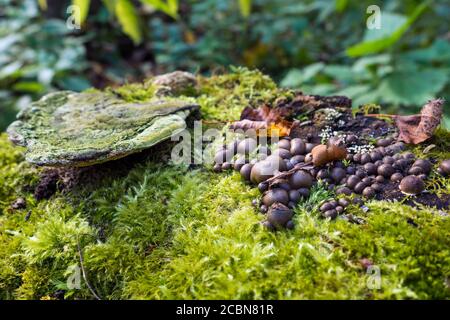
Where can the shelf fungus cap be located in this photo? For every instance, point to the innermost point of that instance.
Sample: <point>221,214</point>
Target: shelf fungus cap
<point>411,185</point>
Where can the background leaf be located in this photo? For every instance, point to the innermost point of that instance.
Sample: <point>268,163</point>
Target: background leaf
<point>83,5</point>
<point>408,87</point>
<point>376,44</point>
<point>169,7</point>
<point>42,4</point>
<point>129,20</point>
<point>245,6</point>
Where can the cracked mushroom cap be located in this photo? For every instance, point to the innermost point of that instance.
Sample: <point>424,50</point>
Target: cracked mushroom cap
<point>411,185</point>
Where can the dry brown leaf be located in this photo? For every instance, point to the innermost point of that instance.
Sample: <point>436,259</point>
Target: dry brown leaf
<point>264,120</point>
<point>418,128</point>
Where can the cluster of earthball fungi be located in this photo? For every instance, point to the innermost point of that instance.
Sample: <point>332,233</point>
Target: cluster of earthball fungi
<point>286,175</point>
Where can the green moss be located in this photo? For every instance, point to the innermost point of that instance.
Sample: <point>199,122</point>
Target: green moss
<point>441,149</point>
<point>135,92</point>
<point>163,231</point>
<point>223,97</point>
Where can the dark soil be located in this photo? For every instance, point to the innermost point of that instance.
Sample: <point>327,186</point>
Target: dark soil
<point>364,128</point>
<point>391,192</point>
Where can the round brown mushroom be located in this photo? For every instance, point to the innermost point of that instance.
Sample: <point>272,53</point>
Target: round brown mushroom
<point>368,192</point>
<point>386,170</point>
<point>425,165</point>
<point>275,195</point>
<point>278,215</point>
<point>284,144</point>
<point>283,153</point>
<point>338,174</point>
<point>415,171</point>
<point>411,185</point>
<point>396,177</point>
<point>298,147</point>
<point>246,171</point>
<point>444,167</point>
<point>301,179</point>
<point>352,181</point>
<point>223,156</point>
<point>239,163</point>
<point>247,146</point>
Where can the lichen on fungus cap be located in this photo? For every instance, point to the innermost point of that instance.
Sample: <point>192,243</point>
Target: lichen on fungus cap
<point>80,129</point>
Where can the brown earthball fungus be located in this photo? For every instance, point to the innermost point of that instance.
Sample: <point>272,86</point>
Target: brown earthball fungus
<point>226,166</point>
<point>263,186</point>
<point>284,144</point>
<point>294,196</point>
<point>247,146</point>
<point>261,171</point>
<point>368,192</point>
<point>301,179</point>
<point>332,214</point>
<point>365,158</point>
<point>222,156</point>
<point>304,192</point>
<point>238,163</point>
<point>278,215</point>
<point>338,174</point>
<point>360,186</point>
<point>309,147</point>
<point>352,181</point>
<point>375,156</point>
<point>396,177</point>
<point>415,171</point>
<point>411,185</point>
<point>343,190</point>
<point>246,171</point>
<point>275,195</point>
<point>283,153</point>
<point>326,206</point>
<point>424,164</point>
<point>370,168</point>
<point>444,167</point>
<point>298,147</point>
<point>386,170</point>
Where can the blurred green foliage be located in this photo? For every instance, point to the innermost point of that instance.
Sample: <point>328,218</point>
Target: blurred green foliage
<point>37,55</point>
<point>320,47</point>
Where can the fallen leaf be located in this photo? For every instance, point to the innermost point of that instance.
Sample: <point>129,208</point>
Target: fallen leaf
<point>276,119</point>
<point>417,128</point>
<point>264,120</point>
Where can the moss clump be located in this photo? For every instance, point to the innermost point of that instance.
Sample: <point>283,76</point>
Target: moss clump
<point>223,97</point>
<point>159,231</point>
<point>135,92</point>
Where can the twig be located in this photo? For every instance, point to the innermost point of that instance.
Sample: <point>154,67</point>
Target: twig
<point>376,115</point>
<point>290,172</point>
<point>80,253</point>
